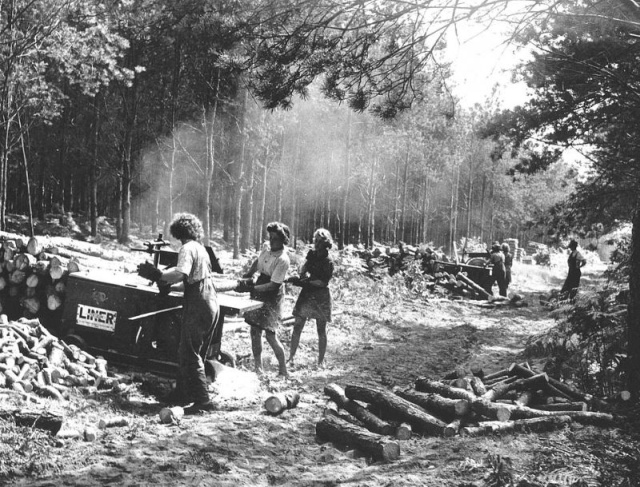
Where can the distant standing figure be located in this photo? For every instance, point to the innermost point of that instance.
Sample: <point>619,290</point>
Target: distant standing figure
<point>272,264</point>
<point>314,301</point>
<point>508,263</point>
<point>575,261</point>
<point>496,258</point>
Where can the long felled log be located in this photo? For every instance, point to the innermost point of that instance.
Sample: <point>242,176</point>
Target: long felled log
<point>477,289</point>
<point>424,384</point>
<point>562,406</point>
<point>535,425</point>
<point>582,417</point>
<point>370,420</point>
<point>397,407</point>
<point>42,420</point>
<point>565,389</point>
<point>534,382</point>
<point>491,410</point>
<point>442,407</point>
<point>332,428</point>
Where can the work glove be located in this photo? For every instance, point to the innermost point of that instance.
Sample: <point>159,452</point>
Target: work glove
<point>244,285</point>
<point>164,287</point>
<point>148,271</point>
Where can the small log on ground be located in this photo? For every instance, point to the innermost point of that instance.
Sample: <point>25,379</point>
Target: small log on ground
<point>491,410</point>
<point>496,375</point>
<point>420,420</point>
<point>424,384</point>
<point>403,432</point>
<point>452,428</point>
<point>560,406</point>
<point>332,428</point>
<point>370,420</point>
<point>41,420</point>
<point>521,425</point>
<point>477,386</point>
<point>441,407</point>
<point>277,403</point>
<point>565,389</point>
<point>457,373</point>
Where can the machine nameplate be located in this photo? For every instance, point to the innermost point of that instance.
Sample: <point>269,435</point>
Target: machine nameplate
<point>101,319</point>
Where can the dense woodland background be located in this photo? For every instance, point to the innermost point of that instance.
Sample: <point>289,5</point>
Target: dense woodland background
<point>320,113</point>
<point>134,111</point>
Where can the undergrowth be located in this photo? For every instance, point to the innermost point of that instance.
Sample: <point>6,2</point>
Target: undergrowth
<point>589,343</point>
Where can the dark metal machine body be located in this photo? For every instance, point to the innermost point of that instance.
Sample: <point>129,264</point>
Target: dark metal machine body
<point>126,319</point>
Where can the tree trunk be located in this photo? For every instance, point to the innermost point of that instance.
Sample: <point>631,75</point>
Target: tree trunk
<point>633,309</point>
<point>529,425</point>
<point>331,428</point>
<point>42,420</point>
<point>344,220</point>
<point>442,407</point>
<point>397,407</point>
<point>370,420</point>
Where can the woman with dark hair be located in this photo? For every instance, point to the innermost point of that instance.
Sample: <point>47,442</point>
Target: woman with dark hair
<point>314,301</point>
<point>575,262</point>
<point>272,265</point>
<point>200,310</point>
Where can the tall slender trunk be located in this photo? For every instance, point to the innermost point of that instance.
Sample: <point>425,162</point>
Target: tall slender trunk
<point>396,198</point>
<point>405,184</point>
<point>633,309</point>
<point>344,219</point>
<point>93,167</point>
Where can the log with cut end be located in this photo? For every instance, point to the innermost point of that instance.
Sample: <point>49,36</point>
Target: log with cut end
<point>562,388</point>
<point>56,272</point>
<point>475,287</point>
<point>34,246</point>
<point>424,384</point>
<point>399,408</point>
<point>42,420</point>
<point>277,403</point>
<point>491,410</point>
<point>24,262</point>
<point>562,406</point>
<point>521,425</point>
<point>112,423</point>
<point>477,386</point>
<point>54,302</point>
<point>332,428</point>
<point>403,432</point>
<point>530,383</point>
<point>452,428</point>
<point>441,407</point>
<point>370,420</point>
<point>457,373</point>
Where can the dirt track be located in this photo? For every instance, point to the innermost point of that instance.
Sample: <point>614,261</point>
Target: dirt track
<point>378,340</point>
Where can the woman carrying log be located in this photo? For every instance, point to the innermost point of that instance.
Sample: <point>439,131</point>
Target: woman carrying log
<point>575,262</point>
<point>272,264</point>
<point>314,301</point>
<point>200,310</point>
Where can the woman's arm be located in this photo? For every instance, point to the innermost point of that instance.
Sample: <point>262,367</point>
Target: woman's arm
<point>252,270</point>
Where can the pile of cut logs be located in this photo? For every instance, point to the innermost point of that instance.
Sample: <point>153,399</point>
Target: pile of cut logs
<point>469,403</point>
<point>32,280</point>
<point>33,360</point>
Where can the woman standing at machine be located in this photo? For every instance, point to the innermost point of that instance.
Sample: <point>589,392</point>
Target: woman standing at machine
<point>314,301</point>
<point>272,264</point>
<point>200,309</point>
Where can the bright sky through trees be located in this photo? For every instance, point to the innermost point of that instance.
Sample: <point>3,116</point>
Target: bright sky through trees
<point>481,61</point>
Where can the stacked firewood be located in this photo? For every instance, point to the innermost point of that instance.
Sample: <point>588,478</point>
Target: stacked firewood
<point>464,402</point>
<point>33,360</point>
<point>32,279</point>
